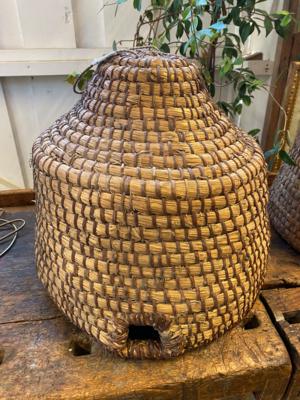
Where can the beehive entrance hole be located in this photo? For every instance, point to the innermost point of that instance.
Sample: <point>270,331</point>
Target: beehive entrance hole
<point>251,323</point>
<point>80,348</point>
<point>143,332</point>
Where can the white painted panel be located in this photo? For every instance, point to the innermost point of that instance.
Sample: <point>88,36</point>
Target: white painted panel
<point>10,171</point>
<point>253,116</point>
<point>46,23</point>
<point>34,104</point>
<point>32,62</point>
<point>89,23</point>
<point>260,43</point>
<point>121,26</point>
<point>10,30</point>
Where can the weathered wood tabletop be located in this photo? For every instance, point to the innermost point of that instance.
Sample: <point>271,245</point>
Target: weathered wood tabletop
<point>284,265</point>
<point>43,356</point>
<point>284,307</point>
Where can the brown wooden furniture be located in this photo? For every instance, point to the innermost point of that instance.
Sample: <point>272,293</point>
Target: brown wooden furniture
<point>287,51</point>
<point>284,264</point>
<point>43,356</point>
<point>284,306</point>
<point>16,197</point>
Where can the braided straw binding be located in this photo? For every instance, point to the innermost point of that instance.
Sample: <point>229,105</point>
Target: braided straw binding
<point>151,209</point>
<point>284,205</point>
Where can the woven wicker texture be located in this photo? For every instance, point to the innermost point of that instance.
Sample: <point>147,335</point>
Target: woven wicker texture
<point>284,205</point>
<point>151,209</point>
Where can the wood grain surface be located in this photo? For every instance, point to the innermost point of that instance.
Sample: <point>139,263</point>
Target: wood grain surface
<point>16,197</point>
<point>284,307</point>
<point>283,266</point>
<point>43,356</point>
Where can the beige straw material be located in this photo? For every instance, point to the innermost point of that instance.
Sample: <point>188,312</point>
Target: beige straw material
<point>284,206</point>
<point>151,209</point>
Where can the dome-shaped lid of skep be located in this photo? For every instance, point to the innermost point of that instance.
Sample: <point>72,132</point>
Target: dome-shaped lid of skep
<point>147,116</point>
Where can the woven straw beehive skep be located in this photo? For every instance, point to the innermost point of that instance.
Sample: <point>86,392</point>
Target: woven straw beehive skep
<point>284,205</point>
<point>151,209</point>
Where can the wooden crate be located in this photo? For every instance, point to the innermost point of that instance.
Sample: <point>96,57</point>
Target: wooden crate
<point>284,307</point>
<point>284,264</point>
<point>43,356</point>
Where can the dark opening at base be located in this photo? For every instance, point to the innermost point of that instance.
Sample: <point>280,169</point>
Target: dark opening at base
<point>79,349</point>
<point>143,332</point>
<point>252,323</point>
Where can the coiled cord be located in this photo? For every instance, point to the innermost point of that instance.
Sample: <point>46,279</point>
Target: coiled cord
<point>17,224</point>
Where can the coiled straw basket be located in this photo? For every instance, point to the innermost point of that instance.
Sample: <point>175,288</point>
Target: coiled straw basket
<point>152,233</point>
<point>284,206</point>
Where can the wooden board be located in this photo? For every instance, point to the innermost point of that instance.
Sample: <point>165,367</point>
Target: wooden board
<point>45,356</point>
<point>284,306</point>
<point>16,197</point>
<point>284,264</point>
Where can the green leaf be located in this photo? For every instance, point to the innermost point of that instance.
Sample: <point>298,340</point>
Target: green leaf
<point>238,61</point>
<point>246,100</point>
<point>285,157</point>
<point>71,78</point>
<point>149,15</point>
<point>218,26</point>
<point>165,48</point>
<point>194,24</point>
<point>137,4</point>
<point>286,20</point>
<point>88,74</point>
<point>187,25</point>
<point>204,32</point>
<point>81,84</point>
<point>182,48</point>
<point>242,88</point>
<point>281,30</point>
<point>200,3</point>
<point>186,46</point>
<point>268,25</point>
<point>114,46</point>
<point>199,26</point>
<point>167,34</point>
<point>273,151</point>
<point>253,132</point>
<point>238,108</point>
<point>179,31</point>
<point>235,13</point>
<point>245,30</point>
<point>281,12</point>
<point>186,13</point>
<point>227,66</point>
<point>212,89</point>
<point>207,76</point>
<point>226,107</point>
<point>176,5</point>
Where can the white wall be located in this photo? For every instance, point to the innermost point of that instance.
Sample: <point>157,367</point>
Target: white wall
<point>40,42</point>
<point>43,40</point>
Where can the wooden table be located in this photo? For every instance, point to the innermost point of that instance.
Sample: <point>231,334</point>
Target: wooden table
<point>284,265</point>
<point>284,307</point>
<point>43,356</point>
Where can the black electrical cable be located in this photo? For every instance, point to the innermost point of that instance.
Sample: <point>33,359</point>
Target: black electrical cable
<point>13,233</point>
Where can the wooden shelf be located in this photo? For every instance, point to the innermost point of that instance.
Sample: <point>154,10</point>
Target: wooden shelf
<point>35,62</point>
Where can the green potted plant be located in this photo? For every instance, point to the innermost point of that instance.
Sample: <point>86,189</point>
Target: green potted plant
<point>211,32</point>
